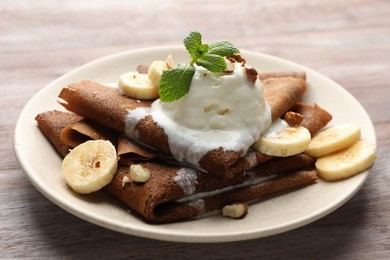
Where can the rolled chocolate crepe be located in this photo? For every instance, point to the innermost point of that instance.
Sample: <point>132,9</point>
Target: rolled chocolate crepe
<point>175,193</point>
<point>83,130</point>
<point>130,151</point>
<point>106,106</point>
<point>314,117</point>
<point>52,123</point>
<point>179,193</point>
<point>281,94</point>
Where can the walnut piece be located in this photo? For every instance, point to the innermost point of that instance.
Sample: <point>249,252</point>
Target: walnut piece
<point>251,74</point>
<point>293,118</point>
<point>125,180</point>
<point>237,58</point>
<point>139,173</point>
<point>235,210</point>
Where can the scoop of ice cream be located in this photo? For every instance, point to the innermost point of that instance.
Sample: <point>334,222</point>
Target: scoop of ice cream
<point>226,101</point>
<point>220,110</point>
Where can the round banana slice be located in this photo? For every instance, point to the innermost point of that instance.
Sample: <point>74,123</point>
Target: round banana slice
<point>90,166</point>
<point>136,85</point>
<point>283,142</point>
<point>333,139</point>
<point>343,164</point>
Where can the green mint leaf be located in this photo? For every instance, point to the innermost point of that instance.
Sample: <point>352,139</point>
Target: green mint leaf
<point>175,83</point>
<point>212,62</point>
<point>223,48</point>
<point>204,48</point>
<point>193,43</point>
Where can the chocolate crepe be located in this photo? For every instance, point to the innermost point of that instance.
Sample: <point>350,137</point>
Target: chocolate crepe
<point>314,117</point>
<point>83,130</point>
<point>176,193</point>
<point>52,123</point>
<point>106,106</point>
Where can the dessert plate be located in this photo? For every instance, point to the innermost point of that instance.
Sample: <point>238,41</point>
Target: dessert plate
<point>266,217</point>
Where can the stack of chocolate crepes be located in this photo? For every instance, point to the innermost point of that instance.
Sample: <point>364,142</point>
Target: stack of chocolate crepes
<point>177,192</point>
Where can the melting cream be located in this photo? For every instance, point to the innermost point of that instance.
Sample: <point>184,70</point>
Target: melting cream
<point>202,195</point>
<point>198,205</point>
<point>251,158</point>
<point>276,128</point>
<point>186,178</point>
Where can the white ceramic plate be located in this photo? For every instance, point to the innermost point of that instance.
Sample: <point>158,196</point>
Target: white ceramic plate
<point>267,217</point>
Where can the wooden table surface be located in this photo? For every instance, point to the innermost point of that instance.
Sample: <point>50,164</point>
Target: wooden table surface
<point>348,41</point>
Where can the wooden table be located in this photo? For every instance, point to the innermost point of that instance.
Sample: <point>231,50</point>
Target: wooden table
<point>348,41</point>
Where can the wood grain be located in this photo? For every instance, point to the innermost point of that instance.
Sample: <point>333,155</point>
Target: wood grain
<point>349,41</point>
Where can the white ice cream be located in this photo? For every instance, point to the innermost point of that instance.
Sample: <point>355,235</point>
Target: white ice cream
<point>220,110</point>
<point>219,101</point>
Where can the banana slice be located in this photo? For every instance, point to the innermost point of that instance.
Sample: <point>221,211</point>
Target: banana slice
<point>333,139</point>
<point>170,62</point>
<point>156,69</point>
<point>137,85</point>
<point>343,164</point>
<point>282,140</point>
<point>90,166</point>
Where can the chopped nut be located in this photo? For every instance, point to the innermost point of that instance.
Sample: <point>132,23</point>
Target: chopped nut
<point>125,180</point>
<point>251,74</point>
<point>170,62</point>
<point>235,210</point>
<point>293,118</point>
<point>238,58</point>
<point>139,173</point>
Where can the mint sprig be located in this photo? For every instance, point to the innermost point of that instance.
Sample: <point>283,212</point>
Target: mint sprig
<point>175,83</point>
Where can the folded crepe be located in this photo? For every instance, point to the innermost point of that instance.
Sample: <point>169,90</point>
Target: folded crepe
<point>175,193</point>
<point>77,133</point>
<point>179,193</point>
<point>107,107</point>
<point>52,123</point>
<point>130,151</point>
<point>314,117</point>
